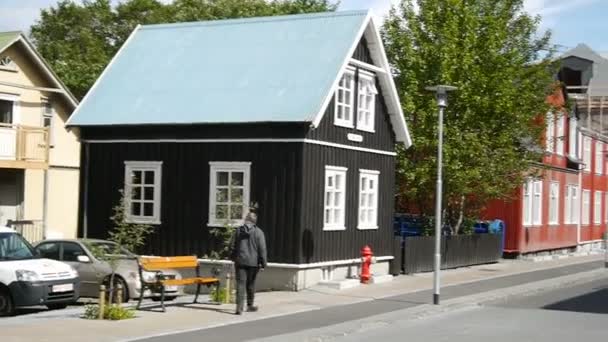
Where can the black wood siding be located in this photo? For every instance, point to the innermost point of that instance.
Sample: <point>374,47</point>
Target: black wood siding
<point>319,245</point>
<point>382,139</point>
<point>362,52</point>
<point>276,171</point>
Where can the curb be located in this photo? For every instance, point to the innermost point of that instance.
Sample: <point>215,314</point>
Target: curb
<point>428,310</point>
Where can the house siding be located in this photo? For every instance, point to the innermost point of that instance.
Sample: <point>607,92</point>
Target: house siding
<point>275,171</point>
<point>319,245</point>
<point>362,52</point>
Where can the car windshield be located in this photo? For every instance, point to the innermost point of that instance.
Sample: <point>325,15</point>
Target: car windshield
<point>14,247</point>
<point>107,247</point>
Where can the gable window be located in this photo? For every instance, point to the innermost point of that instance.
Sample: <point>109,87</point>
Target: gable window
<point>554,203</point>
<point>559,139</point>
<point>368,199</point>
<point>229,192</point>
<point>599,157</point>
<point>345,100</point>
<point>597,207</point>
<point>143,191</point>
<point>47,119</point>
<point>366,103</point>
<point>334,198</point>
<point>532,202</point>
<point>586,206</point>
<point>7,63</point>
<point>587,153</point>
<point>550,134</point>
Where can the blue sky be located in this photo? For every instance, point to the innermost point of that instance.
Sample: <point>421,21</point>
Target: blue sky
<point>572,21</point>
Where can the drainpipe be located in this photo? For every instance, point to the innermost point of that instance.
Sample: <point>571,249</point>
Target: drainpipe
<point>580,208</point>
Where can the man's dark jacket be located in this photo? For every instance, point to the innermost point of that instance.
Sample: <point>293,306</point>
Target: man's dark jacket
<point>249,246</point>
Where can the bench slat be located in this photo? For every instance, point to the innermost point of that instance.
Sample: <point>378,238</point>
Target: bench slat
<point>189,281</point>
<point>160,263</point>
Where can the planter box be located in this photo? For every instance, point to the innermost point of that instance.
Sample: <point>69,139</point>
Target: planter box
<point>456,251</point>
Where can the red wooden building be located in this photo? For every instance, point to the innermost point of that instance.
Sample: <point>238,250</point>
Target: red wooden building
<point>565,204</point>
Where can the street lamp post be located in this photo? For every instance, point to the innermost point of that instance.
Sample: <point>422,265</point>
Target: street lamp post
<point>441,94</point>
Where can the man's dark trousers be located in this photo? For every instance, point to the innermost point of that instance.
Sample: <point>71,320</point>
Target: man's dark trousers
<point>245,279</point>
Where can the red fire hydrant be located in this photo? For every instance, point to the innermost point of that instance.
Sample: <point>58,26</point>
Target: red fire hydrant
<point>366,261</point>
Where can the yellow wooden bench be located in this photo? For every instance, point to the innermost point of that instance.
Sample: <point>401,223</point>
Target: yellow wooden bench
<point>158,264</point>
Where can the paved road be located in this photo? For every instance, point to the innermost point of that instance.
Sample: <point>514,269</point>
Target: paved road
<point>577,313</point>
<point>334,315</point>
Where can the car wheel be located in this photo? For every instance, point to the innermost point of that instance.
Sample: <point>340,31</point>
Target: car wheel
<point>125,289</point>
<point>57,306</point>
<point>7,307</point>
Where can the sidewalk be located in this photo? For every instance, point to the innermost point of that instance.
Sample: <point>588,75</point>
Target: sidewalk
<point>65,325</point>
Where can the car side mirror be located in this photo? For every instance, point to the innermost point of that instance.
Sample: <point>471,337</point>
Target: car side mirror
<point>83,258</point>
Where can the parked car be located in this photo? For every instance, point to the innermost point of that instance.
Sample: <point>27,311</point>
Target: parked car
<point>26,280</point>
<point>89,257</point>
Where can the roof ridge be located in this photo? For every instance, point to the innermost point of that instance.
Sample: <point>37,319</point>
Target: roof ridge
<point>259,19</point>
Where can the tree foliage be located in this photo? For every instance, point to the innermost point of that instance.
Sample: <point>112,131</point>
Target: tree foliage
<point>78,38</point>
<point>492,51</point>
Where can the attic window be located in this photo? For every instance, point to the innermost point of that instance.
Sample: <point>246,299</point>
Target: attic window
<point>7,63</point>
<point>367,102</point>
<point>345,100</point>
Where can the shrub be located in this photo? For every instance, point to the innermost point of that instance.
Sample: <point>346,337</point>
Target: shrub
<point>111,312</point>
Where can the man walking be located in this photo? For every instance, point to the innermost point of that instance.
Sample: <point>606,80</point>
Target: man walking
<point>249,255</point>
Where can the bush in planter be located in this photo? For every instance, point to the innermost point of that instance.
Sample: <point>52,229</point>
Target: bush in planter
<point>111,312</point>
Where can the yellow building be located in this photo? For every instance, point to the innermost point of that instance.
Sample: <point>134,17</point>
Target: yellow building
<point>39,158</point>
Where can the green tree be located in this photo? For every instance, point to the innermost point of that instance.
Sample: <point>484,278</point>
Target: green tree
<point>78,39</point>
<point>492,51</point>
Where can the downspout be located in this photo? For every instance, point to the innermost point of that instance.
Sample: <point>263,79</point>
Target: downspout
<point>580,207</point>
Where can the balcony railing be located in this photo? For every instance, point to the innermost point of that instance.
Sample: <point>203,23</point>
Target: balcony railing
<point>27,144</point>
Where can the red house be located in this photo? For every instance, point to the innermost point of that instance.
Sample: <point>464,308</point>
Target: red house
<point>565,207</point>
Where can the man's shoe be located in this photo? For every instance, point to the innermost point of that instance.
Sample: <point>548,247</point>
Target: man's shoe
<point>238,312</point>
<point>252,308</point>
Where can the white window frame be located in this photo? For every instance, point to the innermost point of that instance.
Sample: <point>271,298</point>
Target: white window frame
<point>586,207</point>
<point>532,202</point>
<point>329,198</point>
<point>143,166</point>
<point>15,100</point>
<point>347,105</point>
<point>597,208</point>
<point>572,138</point>
<point>364,177</point>
<point>222,166</point>
<point>587,153</point>
<point>550,133</point>
<point>606,207</point>
<point>559,139</point>
<point>554,203</point>
<point>571,204</point>
<point>46,104</point>
<point>599,157</point>
<point>366,89</point>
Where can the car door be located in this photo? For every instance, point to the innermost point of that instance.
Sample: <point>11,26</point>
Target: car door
<point>90,278</point>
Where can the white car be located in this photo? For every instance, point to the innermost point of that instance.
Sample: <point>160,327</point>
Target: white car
<point>26,280</point>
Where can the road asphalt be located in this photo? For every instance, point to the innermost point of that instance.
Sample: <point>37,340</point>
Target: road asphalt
<point>334,315</point>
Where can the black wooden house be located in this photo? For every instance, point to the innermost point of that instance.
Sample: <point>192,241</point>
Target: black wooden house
<point>196,121</point>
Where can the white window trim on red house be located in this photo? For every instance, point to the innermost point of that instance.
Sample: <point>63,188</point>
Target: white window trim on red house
<point>532,202</point>
<point>554,203</point>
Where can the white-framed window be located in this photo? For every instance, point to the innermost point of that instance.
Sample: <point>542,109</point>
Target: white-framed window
<point>559,139</point>
<point>587,153</point>
<point>532,204</point>
<point>368,199</point>
<point>6,63</point>
<point>143,191</point>
<point>229,188</point>
<point>550,133</point>
<point>597,207</point>
<point>571,204</point>
<point>599,157</point>
<point>366,104</point>
<point>586,206</point>
<point>334,198</point>
<point>572,137</point>
<point>345,99</point>
<point>9,109</point>
<point>554,203</point>
<point>606,207</point>
<point>47,119</point>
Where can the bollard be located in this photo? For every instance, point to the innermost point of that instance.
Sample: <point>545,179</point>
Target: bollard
<point>227,287</point>
<point>119,294</point>
<point>102,300</point>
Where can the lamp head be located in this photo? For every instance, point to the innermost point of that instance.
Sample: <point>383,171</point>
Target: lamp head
<point>441,93</point>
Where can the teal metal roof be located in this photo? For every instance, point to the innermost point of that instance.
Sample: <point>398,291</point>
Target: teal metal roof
<point>242,70</point>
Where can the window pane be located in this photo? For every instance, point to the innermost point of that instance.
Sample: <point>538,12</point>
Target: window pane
<point>221,196</point>
<point>347,97</point>
<point>222,178</point>
<point>330,181</point>
<point>371,184</point>
<point>328,198</point>
<point>340,96</point>
<point>363,183</point>
<point>6,112</point>
<point>362,200</point>
<point>221,212</point>
<point>237,178</point>
<point>236,195</point>
<point>49,250</point>
<point>136,177</point>
<point>71,251</point>
<point>149,177</point>
<point>236,212</point>
<point>340,114</point>
<point>337,198</point>
<point>136,193</point>
<point>148,209</point>
<point>149,193</point>
<point>337,215</point>
<point>136,209</point>
<point>370,200</point>
<point>327,215</point>
<point>338,182</point>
